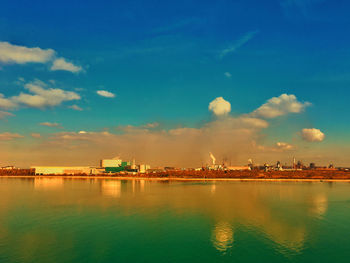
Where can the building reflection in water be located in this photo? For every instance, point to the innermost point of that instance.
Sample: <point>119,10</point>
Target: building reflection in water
<point>48,183</point>
<point>142,185</point>
<point>222,236</point>
<point>281,212</point>
<point>111,188</point>
<point>319,204</point>
<point>213,188</point>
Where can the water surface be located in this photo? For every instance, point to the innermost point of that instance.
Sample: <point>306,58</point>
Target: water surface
<point>95,220</point>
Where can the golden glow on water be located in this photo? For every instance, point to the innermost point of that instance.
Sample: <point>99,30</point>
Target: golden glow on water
<point>213,188</point>
<point>319,204</point>
<point>222,236</point>
<point>111,188</point>
<point>48,183</point>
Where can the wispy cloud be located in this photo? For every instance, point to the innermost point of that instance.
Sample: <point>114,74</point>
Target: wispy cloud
<point>181,24</point>
<point>7,136</point>
<point>4,114</point>
<point>300,6</point>
<point>50,124</point>
<point>75,107</point>
<point>239,43</point>
<point>228,75</point>
<point>35,135</point>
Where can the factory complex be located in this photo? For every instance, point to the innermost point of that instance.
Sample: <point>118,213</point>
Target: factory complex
<point>117,166</point>
<point>106,166</point>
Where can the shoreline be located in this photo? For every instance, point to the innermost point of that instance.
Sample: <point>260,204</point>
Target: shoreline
<point>179,178</point>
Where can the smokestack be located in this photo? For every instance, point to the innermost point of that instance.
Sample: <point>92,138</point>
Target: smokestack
<point>212,157</point>
<point>133,164</point>
<point>294,164</point>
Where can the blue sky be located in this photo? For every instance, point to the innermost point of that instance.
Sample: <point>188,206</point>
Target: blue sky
<point>165,61</point>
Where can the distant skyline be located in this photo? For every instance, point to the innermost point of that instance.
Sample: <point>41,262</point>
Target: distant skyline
<point>168,82</point>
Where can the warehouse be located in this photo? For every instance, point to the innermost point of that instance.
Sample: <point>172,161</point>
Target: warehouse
<point>42,170</point>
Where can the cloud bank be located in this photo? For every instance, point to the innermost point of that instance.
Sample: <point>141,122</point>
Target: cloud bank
<point>232,138</point>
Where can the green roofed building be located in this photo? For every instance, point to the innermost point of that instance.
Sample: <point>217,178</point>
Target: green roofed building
<point>115,169</point>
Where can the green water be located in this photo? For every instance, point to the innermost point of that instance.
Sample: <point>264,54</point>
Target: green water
<point>91,220</point>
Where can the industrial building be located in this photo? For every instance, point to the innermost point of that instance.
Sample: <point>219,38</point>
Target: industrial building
<point>9,167</point>
<point>115,165</point>
<point>106,166</point>
<point>42,170</point>
<point>110,163</point>
<point>237,168</point>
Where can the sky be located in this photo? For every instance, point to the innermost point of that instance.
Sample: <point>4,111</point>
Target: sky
<point>167,82</point>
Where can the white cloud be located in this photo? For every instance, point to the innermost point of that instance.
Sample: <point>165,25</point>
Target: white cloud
<point>220,106</point>
<point>4,114</point>
<point>19,54</point>
<point>62,64</point>
<point>39,96</point>
<point>14,54</point>
<point>278,106</point>
<point>6,103</point>
<point>228,74</point>
<point>75,107</point>
<point>105,93</point>
<point>50,124</point>
<point>312,135</point>
<point>240,42</point>
<point>284,146</point>
<point>7,136</point>
<point>278,147</point>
